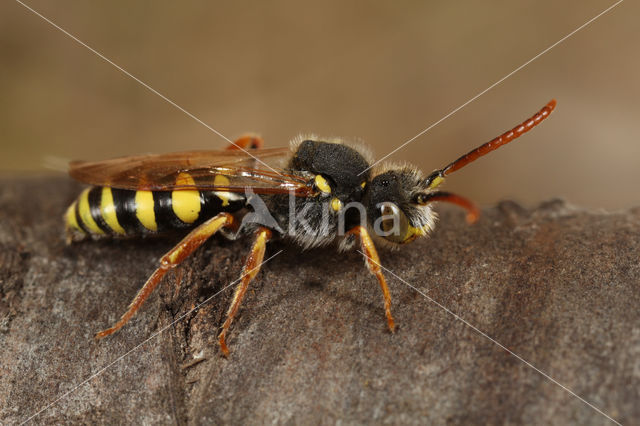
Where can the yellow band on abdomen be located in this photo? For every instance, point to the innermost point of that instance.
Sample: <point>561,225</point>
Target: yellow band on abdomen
<point>84,211</point>
<point>108,211</point>
<point>186,203</point>
<point>144,210</point>
<point>70,218</point>
<point>221,180</point>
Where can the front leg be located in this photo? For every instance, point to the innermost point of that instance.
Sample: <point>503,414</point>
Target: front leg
<point>373,264</point>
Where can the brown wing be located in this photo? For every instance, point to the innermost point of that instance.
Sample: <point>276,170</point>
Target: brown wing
<point>262,172</point>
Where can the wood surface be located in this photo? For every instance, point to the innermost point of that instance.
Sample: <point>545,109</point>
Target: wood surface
<point>557,285</point>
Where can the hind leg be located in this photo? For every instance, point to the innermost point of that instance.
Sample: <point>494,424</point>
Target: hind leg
<point>169,261</point>
<point>248,141</point>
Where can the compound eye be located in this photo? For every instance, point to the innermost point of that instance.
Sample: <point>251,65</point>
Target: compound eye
<point>392,224</point>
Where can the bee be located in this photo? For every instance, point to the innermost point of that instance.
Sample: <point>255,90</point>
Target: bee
<point>316,192</point>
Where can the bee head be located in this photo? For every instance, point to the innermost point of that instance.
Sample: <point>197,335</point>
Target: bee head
<point>397,205</point>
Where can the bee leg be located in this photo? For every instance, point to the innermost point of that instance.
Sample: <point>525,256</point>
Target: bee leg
<point>248,141</point>
<point>373,264</point>
<point>169,261</point>
<point>249,272</point>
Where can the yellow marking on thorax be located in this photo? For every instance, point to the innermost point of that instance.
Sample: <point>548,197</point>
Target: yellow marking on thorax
<point>437,181</point>
<point>322,184</point>
<point>336,204</point>
<point>186,203</point>
<point>221,180</point>
<point>108,211</point>
<point>84,211</point>
<point>144,210</point>
<point>70,218</point>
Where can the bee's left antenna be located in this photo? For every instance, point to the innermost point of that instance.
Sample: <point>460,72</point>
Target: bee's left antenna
<point>473,213</point>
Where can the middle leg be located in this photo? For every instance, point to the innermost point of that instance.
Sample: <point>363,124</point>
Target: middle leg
<point>249,272</point>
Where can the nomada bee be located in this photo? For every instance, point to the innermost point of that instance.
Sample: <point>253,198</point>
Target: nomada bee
<point>316,192</point>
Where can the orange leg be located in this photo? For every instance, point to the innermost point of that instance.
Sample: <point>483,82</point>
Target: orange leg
<point>249,272</point>
<point>248,141</point>
<point>169,261</point>
<point>373,264</point>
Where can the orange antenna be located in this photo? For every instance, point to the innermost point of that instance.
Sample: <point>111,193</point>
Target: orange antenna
<point>436,177</point>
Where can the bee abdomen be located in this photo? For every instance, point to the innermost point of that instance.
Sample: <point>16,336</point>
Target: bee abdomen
<point>119,212</point>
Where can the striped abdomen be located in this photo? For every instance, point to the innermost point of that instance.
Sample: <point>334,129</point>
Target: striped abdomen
<point>110,211</point>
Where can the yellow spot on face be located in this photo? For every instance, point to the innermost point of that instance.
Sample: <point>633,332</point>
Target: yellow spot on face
<point>186,203</point>
<point>413,233</point>
<point>363,184</point>
<point>144,210</point>
<point>437,181</point>
<point>70,218</point>
<point>108,211</point>
<point>322,184</point>
<point>420,232</point>
<point>85,213</point>
<point>221,180</point>
<point>336,204</point>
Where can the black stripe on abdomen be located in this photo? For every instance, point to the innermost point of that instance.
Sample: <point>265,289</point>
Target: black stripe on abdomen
<point>165,215</point>
<point>95,199</point>
<point>125,204</point>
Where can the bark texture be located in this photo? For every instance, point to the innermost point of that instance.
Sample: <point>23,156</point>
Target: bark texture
<point>556,285</point>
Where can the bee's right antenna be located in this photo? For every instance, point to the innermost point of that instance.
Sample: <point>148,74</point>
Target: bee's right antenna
<point>436,178</point>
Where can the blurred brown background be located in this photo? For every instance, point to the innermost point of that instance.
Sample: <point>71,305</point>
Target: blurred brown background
<point>378,71</point>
